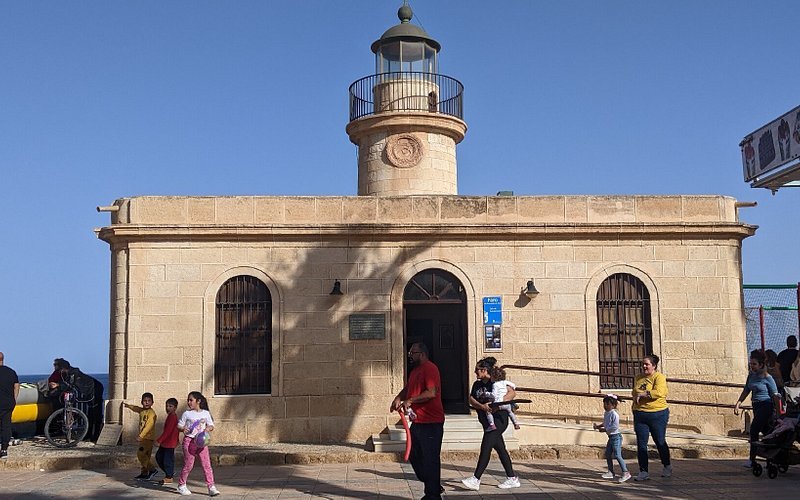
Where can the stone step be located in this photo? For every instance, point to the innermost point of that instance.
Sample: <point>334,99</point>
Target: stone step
<point>461,433</point>
<point>464,433</point>
<point>380,443</point>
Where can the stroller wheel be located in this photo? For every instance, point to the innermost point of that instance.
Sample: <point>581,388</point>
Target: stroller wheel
<point>783,468</point>
<point>757,469</point>
<point>772,471</point>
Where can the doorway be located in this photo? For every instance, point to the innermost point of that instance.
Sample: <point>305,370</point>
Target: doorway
<point>435,313</point>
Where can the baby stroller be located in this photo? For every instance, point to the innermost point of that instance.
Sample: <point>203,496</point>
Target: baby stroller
<point>777,447</point>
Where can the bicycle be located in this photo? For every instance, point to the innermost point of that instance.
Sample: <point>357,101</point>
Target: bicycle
<point>67,427</point>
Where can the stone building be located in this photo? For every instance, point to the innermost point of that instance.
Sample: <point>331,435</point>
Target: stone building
<point>293,314</point>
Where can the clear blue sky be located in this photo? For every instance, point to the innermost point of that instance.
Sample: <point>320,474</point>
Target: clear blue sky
<point>101,100</point>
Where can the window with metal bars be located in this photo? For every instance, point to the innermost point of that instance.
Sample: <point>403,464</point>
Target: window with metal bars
<point>243,346</point>
<point>624,332</point>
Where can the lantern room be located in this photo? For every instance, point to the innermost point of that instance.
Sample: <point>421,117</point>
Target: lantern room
<point>405,47</point>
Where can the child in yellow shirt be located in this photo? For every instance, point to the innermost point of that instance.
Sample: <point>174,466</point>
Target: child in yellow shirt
<point>147,435</point>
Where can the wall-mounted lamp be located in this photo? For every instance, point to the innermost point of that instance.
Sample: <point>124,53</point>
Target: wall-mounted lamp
<point>530,290</point>
<point>337,288</point>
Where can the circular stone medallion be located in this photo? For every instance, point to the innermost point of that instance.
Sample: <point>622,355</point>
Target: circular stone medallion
<point>404,150</point>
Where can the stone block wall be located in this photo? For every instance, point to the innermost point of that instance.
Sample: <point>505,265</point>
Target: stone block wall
<point>426,164</point>
<point>171,255</point>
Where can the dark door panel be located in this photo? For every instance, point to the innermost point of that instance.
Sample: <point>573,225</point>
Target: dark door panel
<point>442,328</point>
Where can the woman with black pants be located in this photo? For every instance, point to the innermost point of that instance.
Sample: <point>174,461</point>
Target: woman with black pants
<point>492,440</point>
<point>764,394</point>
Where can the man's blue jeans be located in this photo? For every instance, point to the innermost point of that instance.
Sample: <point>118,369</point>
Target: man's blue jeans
<point>614,451</point>
<point>651,423</point>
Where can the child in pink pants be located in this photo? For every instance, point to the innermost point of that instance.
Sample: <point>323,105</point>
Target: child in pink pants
<point>194,422</point>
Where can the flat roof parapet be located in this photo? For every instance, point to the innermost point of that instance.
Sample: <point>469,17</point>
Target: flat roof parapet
<point>423,209</point>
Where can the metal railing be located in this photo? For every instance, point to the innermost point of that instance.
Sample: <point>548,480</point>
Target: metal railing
<point>602,395</point>
<point>406,91</point>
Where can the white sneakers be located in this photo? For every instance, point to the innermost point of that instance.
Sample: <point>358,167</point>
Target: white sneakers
<point>472,483</point>
<point>644,475</point>
<point>510,482</point>
<point>183,490</point>
<point>610,475</point>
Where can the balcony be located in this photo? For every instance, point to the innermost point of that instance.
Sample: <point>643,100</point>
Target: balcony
<point>406,92</point>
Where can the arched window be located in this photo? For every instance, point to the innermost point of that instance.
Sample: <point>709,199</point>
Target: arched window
<point>243,361</point>
<point>624,332</point>
<point>434,286</point>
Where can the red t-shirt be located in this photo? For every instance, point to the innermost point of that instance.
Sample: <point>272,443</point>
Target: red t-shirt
<point>169,436</point>
<point>424,376</point>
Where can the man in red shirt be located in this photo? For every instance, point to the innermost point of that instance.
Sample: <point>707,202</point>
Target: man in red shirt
<point>423,394</point>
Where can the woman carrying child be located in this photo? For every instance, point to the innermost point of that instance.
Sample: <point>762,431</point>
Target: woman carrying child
<point>492,439</point>
<point>610,426</point>
<point>194,422</point>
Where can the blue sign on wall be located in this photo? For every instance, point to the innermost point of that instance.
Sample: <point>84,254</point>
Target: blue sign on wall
<point>492,310</point>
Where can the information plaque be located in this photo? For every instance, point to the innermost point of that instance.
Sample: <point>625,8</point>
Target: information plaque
<point>110,435</point>
<point>367,326</point>
<point>492,323</point>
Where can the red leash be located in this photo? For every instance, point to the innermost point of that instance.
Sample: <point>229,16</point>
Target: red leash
<point>408,433</point>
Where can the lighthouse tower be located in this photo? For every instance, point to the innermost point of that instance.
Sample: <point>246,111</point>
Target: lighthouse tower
<point>406,119</point>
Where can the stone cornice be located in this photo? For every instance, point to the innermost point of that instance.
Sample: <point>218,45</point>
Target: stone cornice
<point>438,231</point>
<point>405,121</point>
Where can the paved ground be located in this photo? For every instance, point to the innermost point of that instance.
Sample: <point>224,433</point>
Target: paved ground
<point>577,478</point>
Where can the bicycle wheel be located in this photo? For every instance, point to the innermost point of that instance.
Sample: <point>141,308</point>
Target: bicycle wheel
<point>66,427</point>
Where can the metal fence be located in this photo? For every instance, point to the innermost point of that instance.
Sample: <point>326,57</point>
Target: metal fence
<point>771,313</point>
<point>406,91</point>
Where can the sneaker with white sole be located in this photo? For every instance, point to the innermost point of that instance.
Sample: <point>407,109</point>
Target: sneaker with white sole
<point>183,490</point>
<point>608,475</point>
<point>667,472</point>
<point>213,491</point>
<point>472,483</point>
<point>625,476</point>
<point>642,476</point>
<point>510,482</point>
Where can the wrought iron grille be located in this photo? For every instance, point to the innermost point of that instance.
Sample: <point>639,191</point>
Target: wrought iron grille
<point>624,332</point>
<point>406,91</point>
<point>243,362</point>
